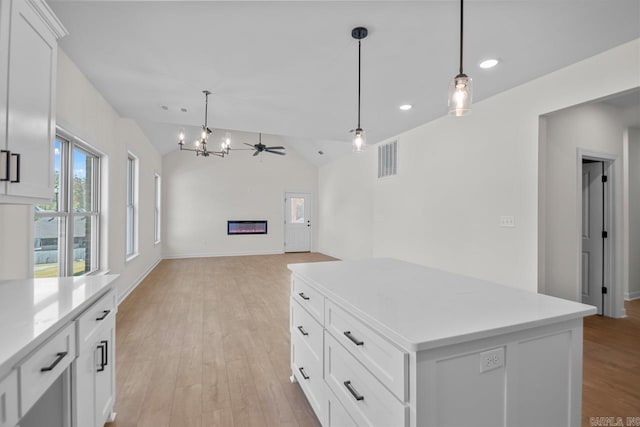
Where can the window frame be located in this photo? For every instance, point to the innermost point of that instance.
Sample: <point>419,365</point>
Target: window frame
<point>65,213</point>
<point>157,208</point>
<point>131,203</point>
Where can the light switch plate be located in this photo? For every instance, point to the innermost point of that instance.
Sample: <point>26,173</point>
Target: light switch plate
<point>507,221</point>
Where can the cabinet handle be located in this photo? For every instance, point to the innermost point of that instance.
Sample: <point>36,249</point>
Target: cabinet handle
<point>59,357</point>
<point>302,331</point>
<point>104,315</point>
<point>303,296</point>
<point>106,352</point>
<point>353,339</point>
<point>17,180</point>
<point>305,376</point>
<point>102,364</point>
<point>353,391</point>
<point>7,168</point>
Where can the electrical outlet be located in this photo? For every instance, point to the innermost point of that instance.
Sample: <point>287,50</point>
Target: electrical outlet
<point>507,221</point>
<point>491,359</point>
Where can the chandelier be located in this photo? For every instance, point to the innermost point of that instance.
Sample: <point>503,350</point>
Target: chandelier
<point>201,143</point>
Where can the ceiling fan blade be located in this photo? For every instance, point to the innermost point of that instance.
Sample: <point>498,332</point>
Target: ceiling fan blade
<point>276,152</point>
<point>250,145</point>
<point>256,153</point>
<point>276,148</point>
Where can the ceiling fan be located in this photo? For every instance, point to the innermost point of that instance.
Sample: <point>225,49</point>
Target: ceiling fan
<point>260,147</point>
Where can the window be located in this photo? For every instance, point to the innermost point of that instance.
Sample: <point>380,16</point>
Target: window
<point>297,210</point>
<point>156,213</point>
<point>132,206</point>
<point>388,159</point>
<point>67,229</point>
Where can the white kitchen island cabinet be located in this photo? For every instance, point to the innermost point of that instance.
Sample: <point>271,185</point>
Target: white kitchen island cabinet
<point>382,342</point>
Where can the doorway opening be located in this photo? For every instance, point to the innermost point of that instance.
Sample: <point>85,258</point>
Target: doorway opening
<point>297,222</point>
<point>596,231</point>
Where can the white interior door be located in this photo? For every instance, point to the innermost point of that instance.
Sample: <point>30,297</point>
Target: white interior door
<point>297,222</point>
<point>591,262</point>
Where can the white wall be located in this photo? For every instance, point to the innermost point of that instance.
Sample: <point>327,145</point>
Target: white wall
<point>346,204</point>
<point>594,127</point>
<point>201,193</point>
<point>83,111</point>
<point>633,149</point>
<point>16,223</point>
<point>458,175</point>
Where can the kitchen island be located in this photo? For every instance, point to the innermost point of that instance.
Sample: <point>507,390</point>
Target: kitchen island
<point>389,343</point>
<point>57,352</point>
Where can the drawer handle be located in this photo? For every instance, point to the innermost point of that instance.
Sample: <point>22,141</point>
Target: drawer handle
<point>104,315</point>
<point>353,391</point>
<point>303,296</point>
<point>59,357</point>
<point>305,376</point>
<point>353,339</point>
<point>302,331</point>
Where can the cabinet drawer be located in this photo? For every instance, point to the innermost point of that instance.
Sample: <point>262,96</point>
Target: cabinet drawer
<point>308,371</point>
<point>9,400</point>
<point>42,367</point>
<point>337,416</point>
<point>307,329</point>
<point>366,400</point>
<point>309,298</point>
<point>95,316</point>
<point>386,361</point>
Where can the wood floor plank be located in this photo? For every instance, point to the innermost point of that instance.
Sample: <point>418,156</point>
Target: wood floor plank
<point>205,342</point>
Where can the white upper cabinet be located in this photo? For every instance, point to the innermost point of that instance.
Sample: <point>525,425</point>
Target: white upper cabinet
<point>28,58</point>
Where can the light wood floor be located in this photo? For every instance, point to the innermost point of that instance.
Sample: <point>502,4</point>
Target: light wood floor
<point>611,376</point>
<point>205,342</point>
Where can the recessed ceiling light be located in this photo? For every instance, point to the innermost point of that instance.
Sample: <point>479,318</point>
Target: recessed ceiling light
<point>406,107</point>
<point>489,63</point>
<point>164,107</point>
<point>184,110</point>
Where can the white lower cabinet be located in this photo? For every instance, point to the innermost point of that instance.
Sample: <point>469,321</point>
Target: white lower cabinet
<point>9,400</point>
<point>337,415</point>
<point>93,371</point>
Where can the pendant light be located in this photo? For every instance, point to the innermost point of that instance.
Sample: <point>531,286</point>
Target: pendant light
<point>359,139</point>
<point>460,88</point>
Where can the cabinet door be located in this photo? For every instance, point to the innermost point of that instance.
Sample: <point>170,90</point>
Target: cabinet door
<point>83,391</point>
<point>30,103</point>
<point>105,390</point>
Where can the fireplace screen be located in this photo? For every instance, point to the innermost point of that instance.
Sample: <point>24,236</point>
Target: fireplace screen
<point>247,227</point>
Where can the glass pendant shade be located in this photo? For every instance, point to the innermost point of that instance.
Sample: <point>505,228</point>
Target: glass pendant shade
<point>460,95</point>
<point>359,141</point>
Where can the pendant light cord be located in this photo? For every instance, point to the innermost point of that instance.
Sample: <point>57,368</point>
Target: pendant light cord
<point>461,31</point>
<point>359,61</point>
<point>206,107</point>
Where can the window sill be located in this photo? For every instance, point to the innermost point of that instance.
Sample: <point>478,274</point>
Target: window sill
<point>131,257</point>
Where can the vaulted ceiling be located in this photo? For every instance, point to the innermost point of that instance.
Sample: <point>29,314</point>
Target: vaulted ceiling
<point>289,68</point>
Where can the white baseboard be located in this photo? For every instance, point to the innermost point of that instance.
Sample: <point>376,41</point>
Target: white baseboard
<point>135,284</point>
<point>220,254</point>
<point>629,296</point>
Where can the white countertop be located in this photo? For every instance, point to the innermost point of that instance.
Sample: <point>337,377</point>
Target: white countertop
<point>32,310</point>
<point>420,308</point>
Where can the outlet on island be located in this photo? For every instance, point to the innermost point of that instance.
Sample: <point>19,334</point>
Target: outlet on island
<point>491,359</point>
